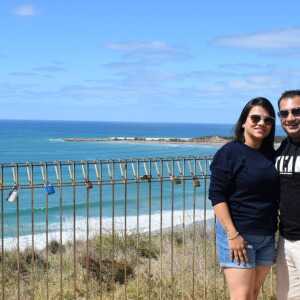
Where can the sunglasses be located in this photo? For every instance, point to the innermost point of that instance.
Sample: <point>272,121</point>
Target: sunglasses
<point>283,114</point>
<point>257,118</point>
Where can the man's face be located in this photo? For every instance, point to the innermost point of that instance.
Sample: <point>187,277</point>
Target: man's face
<point>290,119</point>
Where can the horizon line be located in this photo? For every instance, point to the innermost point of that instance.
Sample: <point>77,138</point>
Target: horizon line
<point>113,121</point>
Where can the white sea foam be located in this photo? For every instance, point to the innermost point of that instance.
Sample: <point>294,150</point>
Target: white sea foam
<point>56,140</point>
<point>81,227</point>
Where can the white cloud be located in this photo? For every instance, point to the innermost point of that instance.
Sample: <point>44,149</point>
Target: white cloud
<point>50,69</point>
<point>22,74</point>
<point>26,10</point>
<point>136,46</point>
<point>142,54</point>
<point>277,39</point>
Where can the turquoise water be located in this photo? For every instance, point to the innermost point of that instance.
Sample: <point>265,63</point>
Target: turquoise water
<point>41,140</point>
<point>22,141</point>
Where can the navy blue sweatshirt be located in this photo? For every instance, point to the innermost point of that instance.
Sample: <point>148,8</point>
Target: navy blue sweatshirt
<point>246,179</point>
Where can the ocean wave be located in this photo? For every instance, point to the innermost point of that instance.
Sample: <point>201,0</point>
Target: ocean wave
<point>179,217</point>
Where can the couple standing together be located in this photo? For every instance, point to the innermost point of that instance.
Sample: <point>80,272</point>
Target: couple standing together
<point>249,182</point>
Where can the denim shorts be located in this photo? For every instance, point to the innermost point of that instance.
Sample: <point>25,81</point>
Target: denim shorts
<point>260,250</point>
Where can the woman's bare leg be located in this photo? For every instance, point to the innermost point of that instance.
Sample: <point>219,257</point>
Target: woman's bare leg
<point>261,273</point>
<point>240,283</point>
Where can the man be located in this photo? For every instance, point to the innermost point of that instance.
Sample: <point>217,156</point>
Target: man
<point>288,165</point>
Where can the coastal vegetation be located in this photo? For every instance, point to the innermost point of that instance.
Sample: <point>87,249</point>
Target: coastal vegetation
<point>202,139</point>
<point>179,264</point>
<point>170,140</point>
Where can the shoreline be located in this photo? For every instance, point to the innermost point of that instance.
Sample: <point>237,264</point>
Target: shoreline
<point>25,241</point>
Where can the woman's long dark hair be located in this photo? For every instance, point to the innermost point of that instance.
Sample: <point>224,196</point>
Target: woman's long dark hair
<point>268,142</point>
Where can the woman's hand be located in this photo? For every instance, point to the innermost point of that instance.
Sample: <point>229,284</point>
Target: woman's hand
<point>238,249</point>
<point>236,242</point>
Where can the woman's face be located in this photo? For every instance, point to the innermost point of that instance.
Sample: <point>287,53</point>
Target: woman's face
<point>258,125</point>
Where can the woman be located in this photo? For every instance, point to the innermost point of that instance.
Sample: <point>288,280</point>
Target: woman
<point>243,191</point>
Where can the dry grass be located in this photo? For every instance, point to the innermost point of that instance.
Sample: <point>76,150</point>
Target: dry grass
<point>134,266</point>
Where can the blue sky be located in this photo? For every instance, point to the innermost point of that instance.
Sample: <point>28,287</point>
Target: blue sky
<point>154,61</point>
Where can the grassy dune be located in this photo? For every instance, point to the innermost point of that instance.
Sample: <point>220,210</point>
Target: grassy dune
<point>181,265</point>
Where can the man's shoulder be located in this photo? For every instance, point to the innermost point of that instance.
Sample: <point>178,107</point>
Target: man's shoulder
<point>281,147</point>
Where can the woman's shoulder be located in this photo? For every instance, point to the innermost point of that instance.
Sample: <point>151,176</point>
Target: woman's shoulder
<point>231,148</point>
<point>228,153</point>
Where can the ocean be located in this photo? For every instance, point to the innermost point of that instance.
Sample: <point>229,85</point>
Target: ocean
<point>36,141</point>
<point>42,140</point>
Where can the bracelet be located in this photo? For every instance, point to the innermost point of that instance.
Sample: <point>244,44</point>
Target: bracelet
<point>234,237</point>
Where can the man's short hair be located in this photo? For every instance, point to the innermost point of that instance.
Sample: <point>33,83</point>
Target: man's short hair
<point>289,94</point>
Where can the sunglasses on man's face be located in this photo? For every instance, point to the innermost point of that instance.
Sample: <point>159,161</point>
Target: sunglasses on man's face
<point>284,113</point>
<point>257,118</point>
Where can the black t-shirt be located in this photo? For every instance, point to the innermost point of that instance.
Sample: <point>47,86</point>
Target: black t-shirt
<point>247,181</point>
<point>288,165</point>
